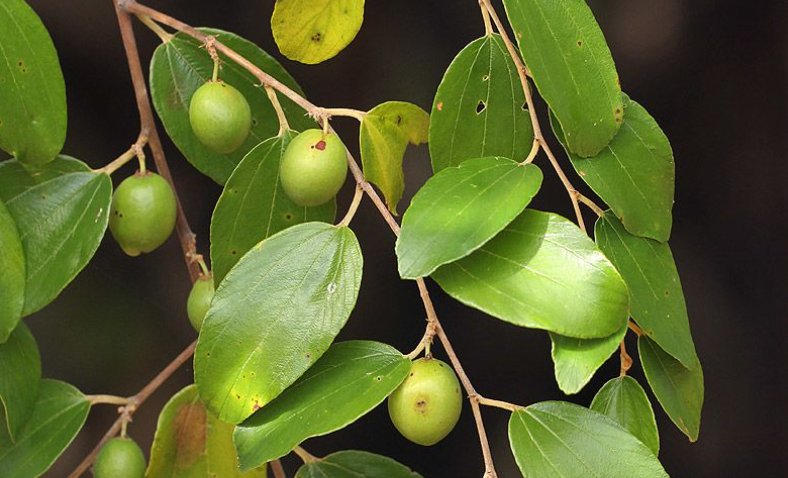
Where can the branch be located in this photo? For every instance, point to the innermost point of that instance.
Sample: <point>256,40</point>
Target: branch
<point>134,403</point>
<point>279,471</point>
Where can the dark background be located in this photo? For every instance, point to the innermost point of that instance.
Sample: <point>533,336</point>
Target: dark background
<point>713,73</point>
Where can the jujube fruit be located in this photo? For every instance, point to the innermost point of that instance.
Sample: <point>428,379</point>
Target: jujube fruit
<point>143,213</point>
<point>314,168</point>
<point>200,300</point>
<point>427,405</point>
<point>220,116</point>
<point>120,458</point>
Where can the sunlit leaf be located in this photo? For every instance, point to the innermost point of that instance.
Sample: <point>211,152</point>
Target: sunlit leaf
<point>355,464</point>
<point>576,360</point>
<point>20,364</point>
<point>461,208</point>
<point>625,401</point>
<point>351,379</point>
<point>479,108</point>
<point>32,90</point>
<point>274,314</point>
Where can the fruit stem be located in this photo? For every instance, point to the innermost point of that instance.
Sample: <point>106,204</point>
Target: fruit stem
<point>140,158</point>
<point>124,158</point>
<point>357,197</point>
<point>305,456</point>
<point>203,267</point>
<point>280,112</point>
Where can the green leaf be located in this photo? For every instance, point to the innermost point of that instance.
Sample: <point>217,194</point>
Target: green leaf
<point>32,90</point>
<point>385,133</point>
<point>479,108</point>
<point>657,300</point>
<point>20,363</point>
<point>461,208</point>
<point>61,211</point>
<point>253,206</point>
<point>181,65</point>
<point>543,272</point>
<point>274,315</point>
<point>572,67</point>
<point>625,401</point>
<point>351,379</point>
<point>552,439</point>
<point>678,389</point>
<point>12,279</point>
<point>355,464</point>
<point>634,174</point>
<point>313,31</point>
<point>192,443</point>
<point>576,360</point>
<point>58,416</point>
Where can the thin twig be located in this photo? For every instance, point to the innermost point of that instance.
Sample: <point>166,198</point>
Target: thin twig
<point>134,403</point>
<point>280,113</point>
<point>279,471</point>
<point>127,156</point>
<point>107,400</point>
<point>351,211</point>
<point>349,112</point>
<point>626,360</point>
<point>634,328</point>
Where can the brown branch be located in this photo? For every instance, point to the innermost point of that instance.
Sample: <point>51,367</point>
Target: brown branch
<point>148,128</point>
<point>279,471</point>
<point>134,403</point>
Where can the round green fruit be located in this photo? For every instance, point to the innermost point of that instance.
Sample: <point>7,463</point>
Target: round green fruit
<point>120,458</point>
<point>143,213</point>
<point>220,116</point>
<point>200,301</point>
<point>314,168</point>
<point>427,405</point>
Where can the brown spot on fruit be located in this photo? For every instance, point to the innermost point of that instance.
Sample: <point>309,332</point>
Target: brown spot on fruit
<point>321,145</point>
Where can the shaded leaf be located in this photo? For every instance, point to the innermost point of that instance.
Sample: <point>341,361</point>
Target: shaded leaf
<point>58,416</point>
<point>461,208</point>
<point>543,272</point>
<point>192,443</point>
<point>678,389</point>
<point>181,65</point>
<point>12,279</point>
<point>351,379</point>
<point>634,174</point>
<point>61,211</point>
<point>657,300</point>
<point>355,464</point>
<point>479,108</point>
<point>313,31</point>
<point>32,90</point>
<point>385,133</point>
<point>552,439</point>
<point>625,401</point>
<point>253,206</point>
<point>274,315</point>
<point>20,363</point>
<point>576,360</point>
<point>572,67</point>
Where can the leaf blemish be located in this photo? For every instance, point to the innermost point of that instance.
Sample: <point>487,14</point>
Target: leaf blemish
<point>480,107</point>
<point>439,106</point>
<point>316,37</point>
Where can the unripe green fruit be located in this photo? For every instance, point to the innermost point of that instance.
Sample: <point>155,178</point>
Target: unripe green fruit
<point>120,458</point>
<point>427,405</point>
<point>200,301</point>
<point>143,213</point>
<point>220,116</point>
<point>314,168</point>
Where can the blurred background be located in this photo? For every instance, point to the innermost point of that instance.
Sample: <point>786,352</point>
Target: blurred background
<point>713,74</point>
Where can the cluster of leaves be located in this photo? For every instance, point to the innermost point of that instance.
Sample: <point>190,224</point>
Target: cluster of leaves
<point>268,373</point>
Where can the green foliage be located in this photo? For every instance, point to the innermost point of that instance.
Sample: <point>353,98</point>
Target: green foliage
<point>386,131</point>
<point>551,439</point>
<point>576,360</point>
<point>634,174</point>
<point>543,272</point>
<point>460,209</point>
<point>61,210</point>
<point>20,362</point>
<point>274,315</point>
<point>253,206</point>
<point>572,67</point>
<point>180,66</point>
<point>313,31</point>
<point>12,279</point>
<point>355,464</point>
<point>32,89</point>
<point>657,301</point>
<point>478,99</point>
<point>678,389</point>
<point>191,443</point>
<point>59,414</point>
<point>367,371</point>
<point>625,401</point>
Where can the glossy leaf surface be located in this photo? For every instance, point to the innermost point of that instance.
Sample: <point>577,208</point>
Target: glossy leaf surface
<point>576,360</point>
<point>12,279</point>
<point>355,464</point>
<point>20,363</point>
<point>625,401</point>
